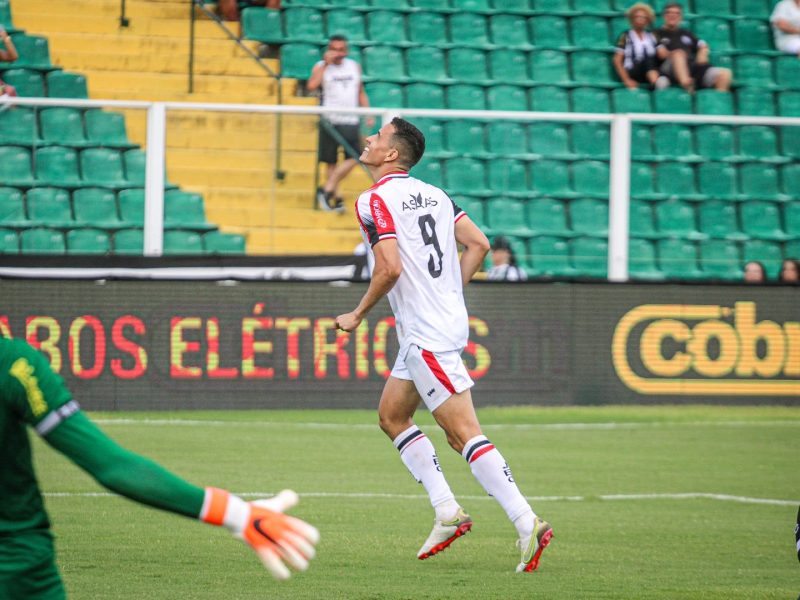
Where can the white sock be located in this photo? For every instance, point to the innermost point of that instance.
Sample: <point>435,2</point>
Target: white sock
<point>419,456</point>
<point>492,472</point>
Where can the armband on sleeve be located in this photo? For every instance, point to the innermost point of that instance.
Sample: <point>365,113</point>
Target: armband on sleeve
<point>55,417</point>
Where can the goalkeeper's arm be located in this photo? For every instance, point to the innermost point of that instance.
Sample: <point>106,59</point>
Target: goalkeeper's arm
<point>277,538</point>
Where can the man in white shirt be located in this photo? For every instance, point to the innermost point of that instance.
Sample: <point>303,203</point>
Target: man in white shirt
<point>785,21</point>
<point>413,229</point>
<point>339,78</point>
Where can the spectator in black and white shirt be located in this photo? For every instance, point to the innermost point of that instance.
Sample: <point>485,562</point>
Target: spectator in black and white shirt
<point>635,59</point>
<point>685,57</point>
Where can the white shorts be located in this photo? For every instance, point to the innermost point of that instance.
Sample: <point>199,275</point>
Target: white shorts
<point>436,375</point>
<point>790,44</point>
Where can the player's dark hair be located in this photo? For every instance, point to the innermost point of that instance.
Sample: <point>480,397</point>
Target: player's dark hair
<point>409,141</point>
<point>669,5</point>
<point>337,37</point>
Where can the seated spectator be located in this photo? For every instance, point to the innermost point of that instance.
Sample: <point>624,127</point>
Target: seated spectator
<point>790,272</point>
<point>685,57</point>
<point>8,55</point>
<point>229,9</point>
<point>785,21</point>
<point>635,59</point>
<point>754,272</point>
<point>504,263</point>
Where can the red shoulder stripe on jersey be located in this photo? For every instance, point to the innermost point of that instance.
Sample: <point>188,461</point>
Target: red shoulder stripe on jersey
<point>437,370</point>
<point>381,216</point>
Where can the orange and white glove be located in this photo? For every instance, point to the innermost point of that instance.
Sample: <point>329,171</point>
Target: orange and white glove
<point>278,539</point>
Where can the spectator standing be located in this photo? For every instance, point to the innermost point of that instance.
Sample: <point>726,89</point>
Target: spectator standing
<point>790,272</point>
<point>9,54</point>
<point>754,272</point>
<point>635,59</point>
<point>685,57</point>
<point>504,263</point>
<point>785,21</point>
<point>340,80</point>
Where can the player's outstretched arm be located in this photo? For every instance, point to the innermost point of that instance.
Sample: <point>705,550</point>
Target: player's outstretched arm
<point>278,539</point>
<point>475,247</point>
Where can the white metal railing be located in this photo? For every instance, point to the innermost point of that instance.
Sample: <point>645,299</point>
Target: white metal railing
<point>620,151</point>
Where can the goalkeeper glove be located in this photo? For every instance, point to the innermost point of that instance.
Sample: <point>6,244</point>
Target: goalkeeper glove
<point>278,539</point>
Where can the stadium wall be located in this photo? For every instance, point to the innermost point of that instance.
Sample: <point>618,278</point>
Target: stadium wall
<point>224,344</point>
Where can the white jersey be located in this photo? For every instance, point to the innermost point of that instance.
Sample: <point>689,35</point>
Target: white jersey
<point>428,298</point>
<point>341,86</point>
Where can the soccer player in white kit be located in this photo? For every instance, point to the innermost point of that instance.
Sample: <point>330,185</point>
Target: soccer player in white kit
<point>413,229</point>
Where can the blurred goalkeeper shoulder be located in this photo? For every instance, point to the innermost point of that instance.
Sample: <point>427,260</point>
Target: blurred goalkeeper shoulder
<point>31,394</point>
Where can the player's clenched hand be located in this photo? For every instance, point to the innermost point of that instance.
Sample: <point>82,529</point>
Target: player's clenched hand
<point>348,321</point>
<point>278,539</point>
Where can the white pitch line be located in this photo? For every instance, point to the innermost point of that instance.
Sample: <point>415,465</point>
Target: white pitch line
<point>387,496</point>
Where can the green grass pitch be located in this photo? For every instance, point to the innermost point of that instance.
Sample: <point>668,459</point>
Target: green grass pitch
<point>646,502</point>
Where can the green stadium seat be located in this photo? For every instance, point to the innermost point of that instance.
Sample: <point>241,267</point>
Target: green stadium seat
<point>385,63</point>
<point>477,5</point>
<point>424,95</point>
<point>131,207</point>
<point>88,241</point>
<point>787,71</point>
<point>29,83</point>
<point>303,24</point>
<point>507,97</point>
<point>642,181</point>
<point>591,67</point>
<point>465,138</point>
<point>677,218</point>
<point>63,126</point>
<point>474,209</point>
<point>551,178</point>
<point>135,165</point>
<point>590,178</point>
<point>642,142</point>
<point>427,27</point>
<point>57,165</point>
<point>589,31</point>
<point>468,65</point>
<point>466,97</point>
<point>789,104</point>
<point>185,210</point>
<point>431,4</point>
<point>41,240</point>
<point>548,216</point>
<point>466,176</point>
<point>433,130</point>
<point>508,138</point>
<point>767,253</point>
<point>591,139</point>
<point>49,206</point>
<point>549,256</point>
<point>672,100</point>
<point>631,101</point>
<point>520,6</point>
<point>718,180</point>
<point>590,100</point>
<point>426,63</point>
<point>346,22</point>
<point>753,69</point>
<point>640,219</point>
<point>760,181</point>
<point>15,166</point>
<point>677,259</point>
<point>429,171</point>
<point>715,142</point>
<point>589,256</point>
<point>216,242</point>
<point>34,52</point>
<point>508,176</point>
<point>510,30</point>
<point>552,6</point>
<point>386,27</point>
<point>66,85</point>
<point>718,220</point>
<point>263,25</point>
<point>549,66</point>
<point>468,28</point>
<point>551,140</point>
<point>548,31</point>
<point>642,260</point>
<point>721,8</point>
<point>129,242</point>
<point>12,208</point>
<point>103,167</point>
<point>6,19</point>
<point>548,98</point>
<point>755,102</point>
<point>760,142</point>
<point>589,217</point>
<point>507,217</point>
<point>675,179</point>
<point>752,35</point>
<point>509,66</point>
<point>18,126</point>
<point>790,141</point>
<point>95,207</point>
<point>298,59</point>
<point>753,8</point>
<point>384,95</point>
<point>9,241</point>
<point>712,102</point>
<point>675,141</point>
<point>720,259</point>
<point>790,177</point>
<point>180,242</point>
<point>107,129</point>
<point>791,219</point>
<point>762,220</point>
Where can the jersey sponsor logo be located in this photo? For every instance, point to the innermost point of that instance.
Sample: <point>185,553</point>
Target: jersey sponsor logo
<point>259,529</point>
<point>418,202</point>
<point>22,370</point>
<point>381,215</point>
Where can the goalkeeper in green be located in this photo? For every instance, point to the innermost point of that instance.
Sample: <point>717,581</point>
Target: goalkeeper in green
<point>32,394</point>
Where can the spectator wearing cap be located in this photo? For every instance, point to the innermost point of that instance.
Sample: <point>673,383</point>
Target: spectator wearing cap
<point>9,54</point>
<point>785,21</point>
<point>635,59</point>
<point>685,57</point>
<point>504,263</point>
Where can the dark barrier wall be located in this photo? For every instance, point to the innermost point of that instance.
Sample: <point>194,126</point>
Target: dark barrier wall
<point>149,345</point>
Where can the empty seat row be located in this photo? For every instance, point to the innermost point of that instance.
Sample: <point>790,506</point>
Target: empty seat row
<point>96,207</point>
<point>67,126</point>
<point>42,240</point>
<point>56,84</point>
